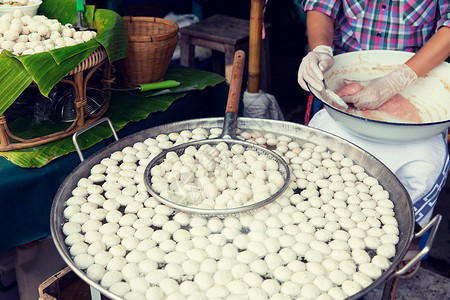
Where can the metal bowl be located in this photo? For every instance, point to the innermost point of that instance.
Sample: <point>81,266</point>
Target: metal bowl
<point>402,202</point>
<point>430,94</point>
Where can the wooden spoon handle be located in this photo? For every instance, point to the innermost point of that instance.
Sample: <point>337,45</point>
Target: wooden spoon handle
<point>237,73</point>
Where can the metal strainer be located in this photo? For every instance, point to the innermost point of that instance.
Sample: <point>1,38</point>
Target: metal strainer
<point>228,137</point>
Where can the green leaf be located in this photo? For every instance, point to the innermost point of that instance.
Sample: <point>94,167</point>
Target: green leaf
<point>14,79</point>
<point>111,33</point>
<point>46,72</point>
<point>61,54</point>
<point>125,107</point>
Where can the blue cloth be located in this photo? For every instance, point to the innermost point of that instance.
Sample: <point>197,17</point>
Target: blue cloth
<point>423,207</point>
<point>316,106</point>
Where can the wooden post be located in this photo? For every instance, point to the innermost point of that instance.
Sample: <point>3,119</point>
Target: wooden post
<point>254,56</point>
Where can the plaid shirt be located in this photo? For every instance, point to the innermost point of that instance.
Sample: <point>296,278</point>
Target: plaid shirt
<point>382,24</point>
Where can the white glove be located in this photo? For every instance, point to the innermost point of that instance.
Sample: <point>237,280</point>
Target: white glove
<point>313,65</point>
<point>377,91</point>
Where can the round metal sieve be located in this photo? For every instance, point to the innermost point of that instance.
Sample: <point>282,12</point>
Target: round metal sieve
<point>228,137</point>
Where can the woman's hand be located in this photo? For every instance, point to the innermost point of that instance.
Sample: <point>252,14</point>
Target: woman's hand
<point>313,65</point>
<point>377,91</point>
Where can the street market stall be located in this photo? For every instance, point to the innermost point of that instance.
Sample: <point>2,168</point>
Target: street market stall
<point>342,227</point>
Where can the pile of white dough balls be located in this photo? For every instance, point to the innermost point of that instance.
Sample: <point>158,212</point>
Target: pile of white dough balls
<point>330,235</point>
<point>217,176</point>
<point>16,3</point>
<point>22,34</point>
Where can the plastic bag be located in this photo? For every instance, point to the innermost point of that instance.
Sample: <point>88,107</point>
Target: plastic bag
<point>182,21</point>
<point>261,105</point>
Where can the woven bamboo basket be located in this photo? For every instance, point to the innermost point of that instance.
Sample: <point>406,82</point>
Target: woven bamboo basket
<point>151,44</point>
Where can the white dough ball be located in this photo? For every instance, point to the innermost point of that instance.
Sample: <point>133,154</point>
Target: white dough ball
<point>139,285</point>
<point>204,280</point>
<point>370,270</point>
<point>337,277</point>
<point>270,286</point>
<point>362,279</point>
<point>337,293</point>
<point>381,261</point>
<point>83,260</point>
<point>386,250</point>
<point>110,278</point>
<point>323,283</point>
<point>310,291</point>
<point>116,263</point>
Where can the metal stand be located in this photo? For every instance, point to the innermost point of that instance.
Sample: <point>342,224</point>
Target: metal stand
<point>95,295</point>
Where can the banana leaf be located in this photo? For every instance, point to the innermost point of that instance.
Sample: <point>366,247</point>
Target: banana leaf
<point>14,79</point>
<point>125,107</point>
<point>121,111</point>
<point>112,34</point>
<point>41,67</point>
<point>47,69</point>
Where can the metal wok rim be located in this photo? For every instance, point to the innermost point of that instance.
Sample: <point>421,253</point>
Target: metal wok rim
<point>293,130</point>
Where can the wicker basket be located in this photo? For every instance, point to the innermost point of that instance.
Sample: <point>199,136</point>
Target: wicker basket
<point>151,44</point>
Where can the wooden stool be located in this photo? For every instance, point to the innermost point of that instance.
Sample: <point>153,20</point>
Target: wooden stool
<point>224,35</point>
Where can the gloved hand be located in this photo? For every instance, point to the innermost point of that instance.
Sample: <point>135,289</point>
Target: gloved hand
<point>377,91</point>
<point>313,65</point>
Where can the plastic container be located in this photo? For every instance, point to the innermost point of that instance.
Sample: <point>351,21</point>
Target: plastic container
<point>30,10</point>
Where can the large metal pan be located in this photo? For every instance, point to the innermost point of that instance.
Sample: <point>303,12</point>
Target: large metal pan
<point>403,207</point>
<point>430,94</point>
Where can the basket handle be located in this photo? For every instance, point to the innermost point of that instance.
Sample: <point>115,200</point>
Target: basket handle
<point>76,134</point>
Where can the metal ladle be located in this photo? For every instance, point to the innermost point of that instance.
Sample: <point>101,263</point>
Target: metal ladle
<point>228,136</point>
